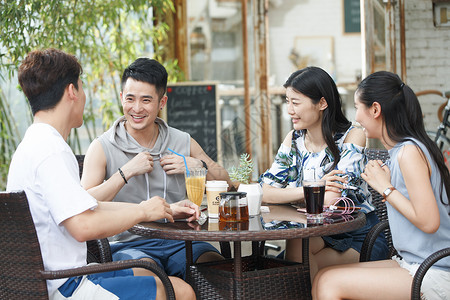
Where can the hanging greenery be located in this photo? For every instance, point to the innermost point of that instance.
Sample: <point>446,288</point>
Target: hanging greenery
<point>106,36</point>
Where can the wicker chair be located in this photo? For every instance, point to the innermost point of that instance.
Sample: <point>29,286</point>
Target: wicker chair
<point>383,226</point>
<point>80,160</point>
<point>381,211</point>
<point>21,266</point>
<point>423,268</point>
<point>97,250</point>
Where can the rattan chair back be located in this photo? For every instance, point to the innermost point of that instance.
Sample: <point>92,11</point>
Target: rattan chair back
<point>98,250</point>
<point>80,160</point>
<point>377,198</point>
<point>20,254</point>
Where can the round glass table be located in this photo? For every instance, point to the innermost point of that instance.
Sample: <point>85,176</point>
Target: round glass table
<point>279,222</point>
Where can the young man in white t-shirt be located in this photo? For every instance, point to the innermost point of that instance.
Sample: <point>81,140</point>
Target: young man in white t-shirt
<point>65,215</point>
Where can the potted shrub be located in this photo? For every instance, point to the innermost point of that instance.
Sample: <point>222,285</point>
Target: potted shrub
<point>242,175</point>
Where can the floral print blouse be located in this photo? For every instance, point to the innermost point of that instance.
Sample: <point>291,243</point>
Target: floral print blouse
<point>293,164</point>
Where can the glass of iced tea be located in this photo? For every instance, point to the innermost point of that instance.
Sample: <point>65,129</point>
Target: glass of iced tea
<point>195,184</point>
<point>314,191</point>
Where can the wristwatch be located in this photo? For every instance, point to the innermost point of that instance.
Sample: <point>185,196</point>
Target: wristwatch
<point>388,191</point>
<point>204,165</point>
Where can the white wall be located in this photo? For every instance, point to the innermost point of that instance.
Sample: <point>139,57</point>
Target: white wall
<point>312,18</point>
<point>307,18</point>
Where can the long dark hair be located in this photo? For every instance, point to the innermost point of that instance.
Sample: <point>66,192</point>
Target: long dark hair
<point>315,83</point>
<point>402,114</point>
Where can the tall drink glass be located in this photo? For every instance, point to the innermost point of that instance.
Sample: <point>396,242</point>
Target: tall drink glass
<point>314,191</point>
<point>195,184</point>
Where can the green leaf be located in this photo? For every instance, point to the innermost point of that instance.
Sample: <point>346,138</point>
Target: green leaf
<point>243,173</point>
<point>106,36</point>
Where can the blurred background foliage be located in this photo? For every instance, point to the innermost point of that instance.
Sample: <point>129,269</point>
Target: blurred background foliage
<point>106,36</point>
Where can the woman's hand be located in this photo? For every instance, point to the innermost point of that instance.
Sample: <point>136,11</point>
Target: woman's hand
<point>334,183</point>
<point>377,175</point>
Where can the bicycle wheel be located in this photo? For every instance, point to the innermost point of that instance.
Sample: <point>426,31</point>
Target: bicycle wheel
<point>443,143</point>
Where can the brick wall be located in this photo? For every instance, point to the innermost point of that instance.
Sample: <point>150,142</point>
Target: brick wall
<point>427,56</point>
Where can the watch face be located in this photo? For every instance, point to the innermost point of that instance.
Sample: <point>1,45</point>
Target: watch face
<point>387,192</point>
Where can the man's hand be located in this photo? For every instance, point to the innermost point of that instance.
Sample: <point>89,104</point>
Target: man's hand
<point>185,209</point>
<point>174,164</point>
<point>140,164</point>
<point>156,208</point>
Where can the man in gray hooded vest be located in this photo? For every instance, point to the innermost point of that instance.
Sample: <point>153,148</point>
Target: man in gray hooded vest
<point>131,163</point>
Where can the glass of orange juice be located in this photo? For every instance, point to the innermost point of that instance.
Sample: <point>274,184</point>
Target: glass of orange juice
<point>195,184</point>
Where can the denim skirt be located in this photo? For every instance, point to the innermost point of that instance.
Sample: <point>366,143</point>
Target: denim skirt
<point>354,239</point>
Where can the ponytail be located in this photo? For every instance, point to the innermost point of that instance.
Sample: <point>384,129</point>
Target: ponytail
<point>402,114</point>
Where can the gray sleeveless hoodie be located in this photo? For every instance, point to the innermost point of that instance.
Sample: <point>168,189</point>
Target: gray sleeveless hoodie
<point>119,147</point>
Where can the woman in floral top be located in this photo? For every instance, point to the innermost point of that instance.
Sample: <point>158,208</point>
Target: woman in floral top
<point>323,144</point>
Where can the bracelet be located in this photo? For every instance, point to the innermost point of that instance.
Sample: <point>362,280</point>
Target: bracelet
<point>123,176</point>
<point>204,165</point>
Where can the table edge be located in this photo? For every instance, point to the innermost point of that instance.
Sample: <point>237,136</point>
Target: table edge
<point>219,236</point>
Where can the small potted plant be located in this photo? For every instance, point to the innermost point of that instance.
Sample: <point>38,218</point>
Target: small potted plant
<point>243,174</point>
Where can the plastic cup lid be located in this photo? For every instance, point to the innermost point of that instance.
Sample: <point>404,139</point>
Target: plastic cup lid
<point>216,183</point>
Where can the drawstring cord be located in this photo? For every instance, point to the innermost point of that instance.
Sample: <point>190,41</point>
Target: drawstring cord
<point>165,186</point>
<point>164,182</point>
<point>148,185</point>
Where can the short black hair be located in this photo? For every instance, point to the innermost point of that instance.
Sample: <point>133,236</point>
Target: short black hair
<point>147,70</point>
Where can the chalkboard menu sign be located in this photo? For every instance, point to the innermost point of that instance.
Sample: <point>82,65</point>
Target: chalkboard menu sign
<point>352,16</point>
<point>191,107</point>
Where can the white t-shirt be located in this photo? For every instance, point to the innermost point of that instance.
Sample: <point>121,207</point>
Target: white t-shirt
<point>45,167</point>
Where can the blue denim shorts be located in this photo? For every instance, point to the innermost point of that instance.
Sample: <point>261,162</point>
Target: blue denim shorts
<point>354,239</point>
<point>170,255</point>
<point>109,285</point>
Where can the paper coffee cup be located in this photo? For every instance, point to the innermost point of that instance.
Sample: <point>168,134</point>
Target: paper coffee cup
<point>213,224</point>
<point>213,189</point>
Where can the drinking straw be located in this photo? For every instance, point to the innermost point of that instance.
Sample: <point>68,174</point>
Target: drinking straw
<point>184,158</point>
